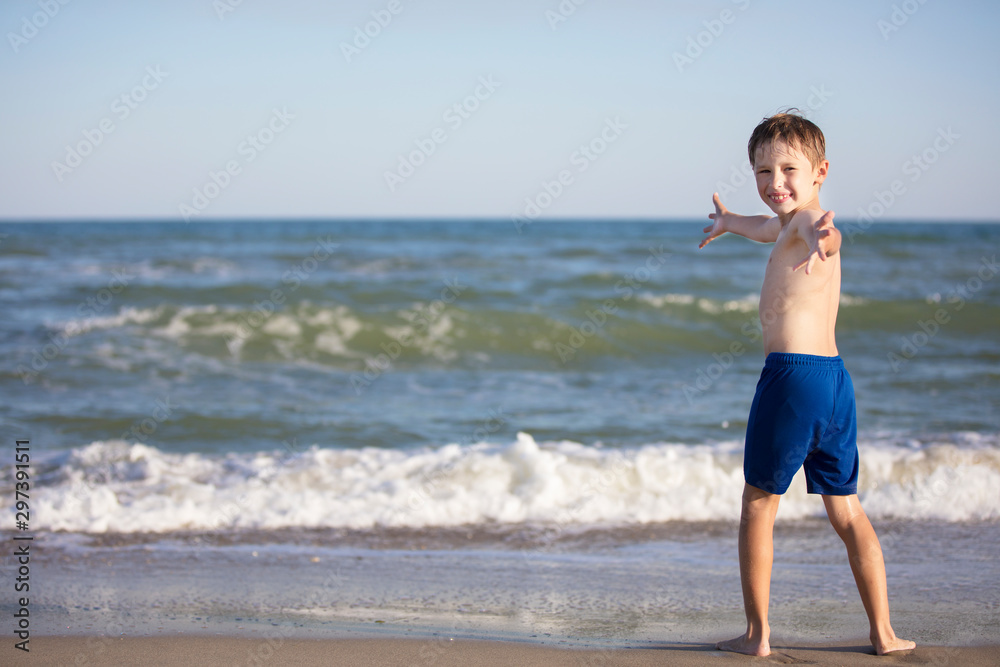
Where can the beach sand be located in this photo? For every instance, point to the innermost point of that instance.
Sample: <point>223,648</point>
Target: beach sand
<point>436,599</point>
<point>201,650</point>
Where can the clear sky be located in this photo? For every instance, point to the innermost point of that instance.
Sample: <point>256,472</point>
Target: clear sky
<point>124,109</point>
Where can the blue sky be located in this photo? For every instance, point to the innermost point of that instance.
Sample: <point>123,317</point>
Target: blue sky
<point>258,111</point>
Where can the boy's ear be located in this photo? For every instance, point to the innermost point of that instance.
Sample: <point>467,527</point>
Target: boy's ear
<point>821,171</point>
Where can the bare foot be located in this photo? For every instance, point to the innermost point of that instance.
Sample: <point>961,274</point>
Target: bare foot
<point>892,644</point>
<point>743,644</point>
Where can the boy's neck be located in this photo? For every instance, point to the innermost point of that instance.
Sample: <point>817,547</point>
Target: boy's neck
<point>785,218</point>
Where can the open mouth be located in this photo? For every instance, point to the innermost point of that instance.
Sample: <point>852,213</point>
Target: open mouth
<point>780,198</point>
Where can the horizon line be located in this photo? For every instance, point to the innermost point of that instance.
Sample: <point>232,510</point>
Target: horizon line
<point>443,218</point>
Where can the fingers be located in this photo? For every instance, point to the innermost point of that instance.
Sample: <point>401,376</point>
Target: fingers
<point>820,235</point>
<point>710,230</point>
<point>810,260</point>
<point>719,208</point>
<point>807,262</point>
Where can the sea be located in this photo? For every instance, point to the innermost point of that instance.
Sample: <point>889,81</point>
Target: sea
<point>565,389</point>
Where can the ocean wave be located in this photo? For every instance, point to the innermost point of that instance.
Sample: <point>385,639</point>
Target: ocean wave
<point>352,338</point>
<point>158,269</point>
<point>746,304</point>
<point>114,486</point>
<point>471,334</point>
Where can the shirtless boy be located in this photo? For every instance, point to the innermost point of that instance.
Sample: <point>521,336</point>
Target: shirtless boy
<point>803,414</point>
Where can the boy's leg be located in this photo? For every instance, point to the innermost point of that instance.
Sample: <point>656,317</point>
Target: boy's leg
<point>868,566</point>
<point>756,557</point>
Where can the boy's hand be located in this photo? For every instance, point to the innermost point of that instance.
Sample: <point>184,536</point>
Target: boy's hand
<point>823,240</point>
<point>718,228</point>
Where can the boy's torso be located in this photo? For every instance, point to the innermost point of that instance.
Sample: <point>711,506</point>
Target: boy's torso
<point>798,312</point>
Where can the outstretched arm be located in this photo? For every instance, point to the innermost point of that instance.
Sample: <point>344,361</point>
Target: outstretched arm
<point>823,240</point>
<point>760,228</point>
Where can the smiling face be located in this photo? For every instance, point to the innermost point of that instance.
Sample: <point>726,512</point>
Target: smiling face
<point>786,180</point>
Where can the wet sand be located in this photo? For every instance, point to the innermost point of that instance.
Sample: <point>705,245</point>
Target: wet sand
<point>441,652</point>
<point>420,600</point>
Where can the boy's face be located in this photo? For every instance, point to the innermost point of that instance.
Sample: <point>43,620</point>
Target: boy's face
<point>786,180</point>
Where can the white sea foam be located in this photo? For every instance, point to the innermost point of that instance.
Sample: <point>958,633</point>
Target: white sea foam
<point>119,487</point>
<point>148,270</point>
<point>746,304</point>
<point>232,324</point>
<point>661,300</point>
<point>123,317</point>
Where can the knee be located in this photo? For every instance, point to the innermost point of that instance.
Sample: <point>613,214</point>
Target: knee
<point>757,496</point>
<point>843,518</point>
<point>758,503</point>
<point>839,522</point>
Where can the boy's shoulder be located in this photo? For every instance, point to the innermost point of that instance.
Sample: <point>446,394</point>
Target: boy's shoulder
<point>805,219</point>
<point>808,216</point>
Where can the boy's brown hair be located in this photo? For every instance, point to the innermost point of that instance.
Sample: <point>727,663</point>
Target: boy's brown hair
<point>795,130</point>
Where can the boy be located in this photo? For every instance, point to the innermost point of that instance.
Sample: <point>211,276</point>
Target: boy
<point>803,413</point>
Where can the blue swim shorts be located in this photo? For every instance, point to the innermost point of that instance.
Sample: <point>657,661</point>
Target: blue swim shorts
<point>803,415</point>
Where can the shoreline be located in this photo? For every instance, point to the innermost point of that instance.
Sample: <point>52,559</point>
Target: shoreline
<point>599,591</point>
<point>446,652</point>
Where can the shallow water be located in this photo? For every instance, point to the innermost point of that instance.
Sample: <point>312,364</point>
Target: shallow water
<point>603,588</point>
